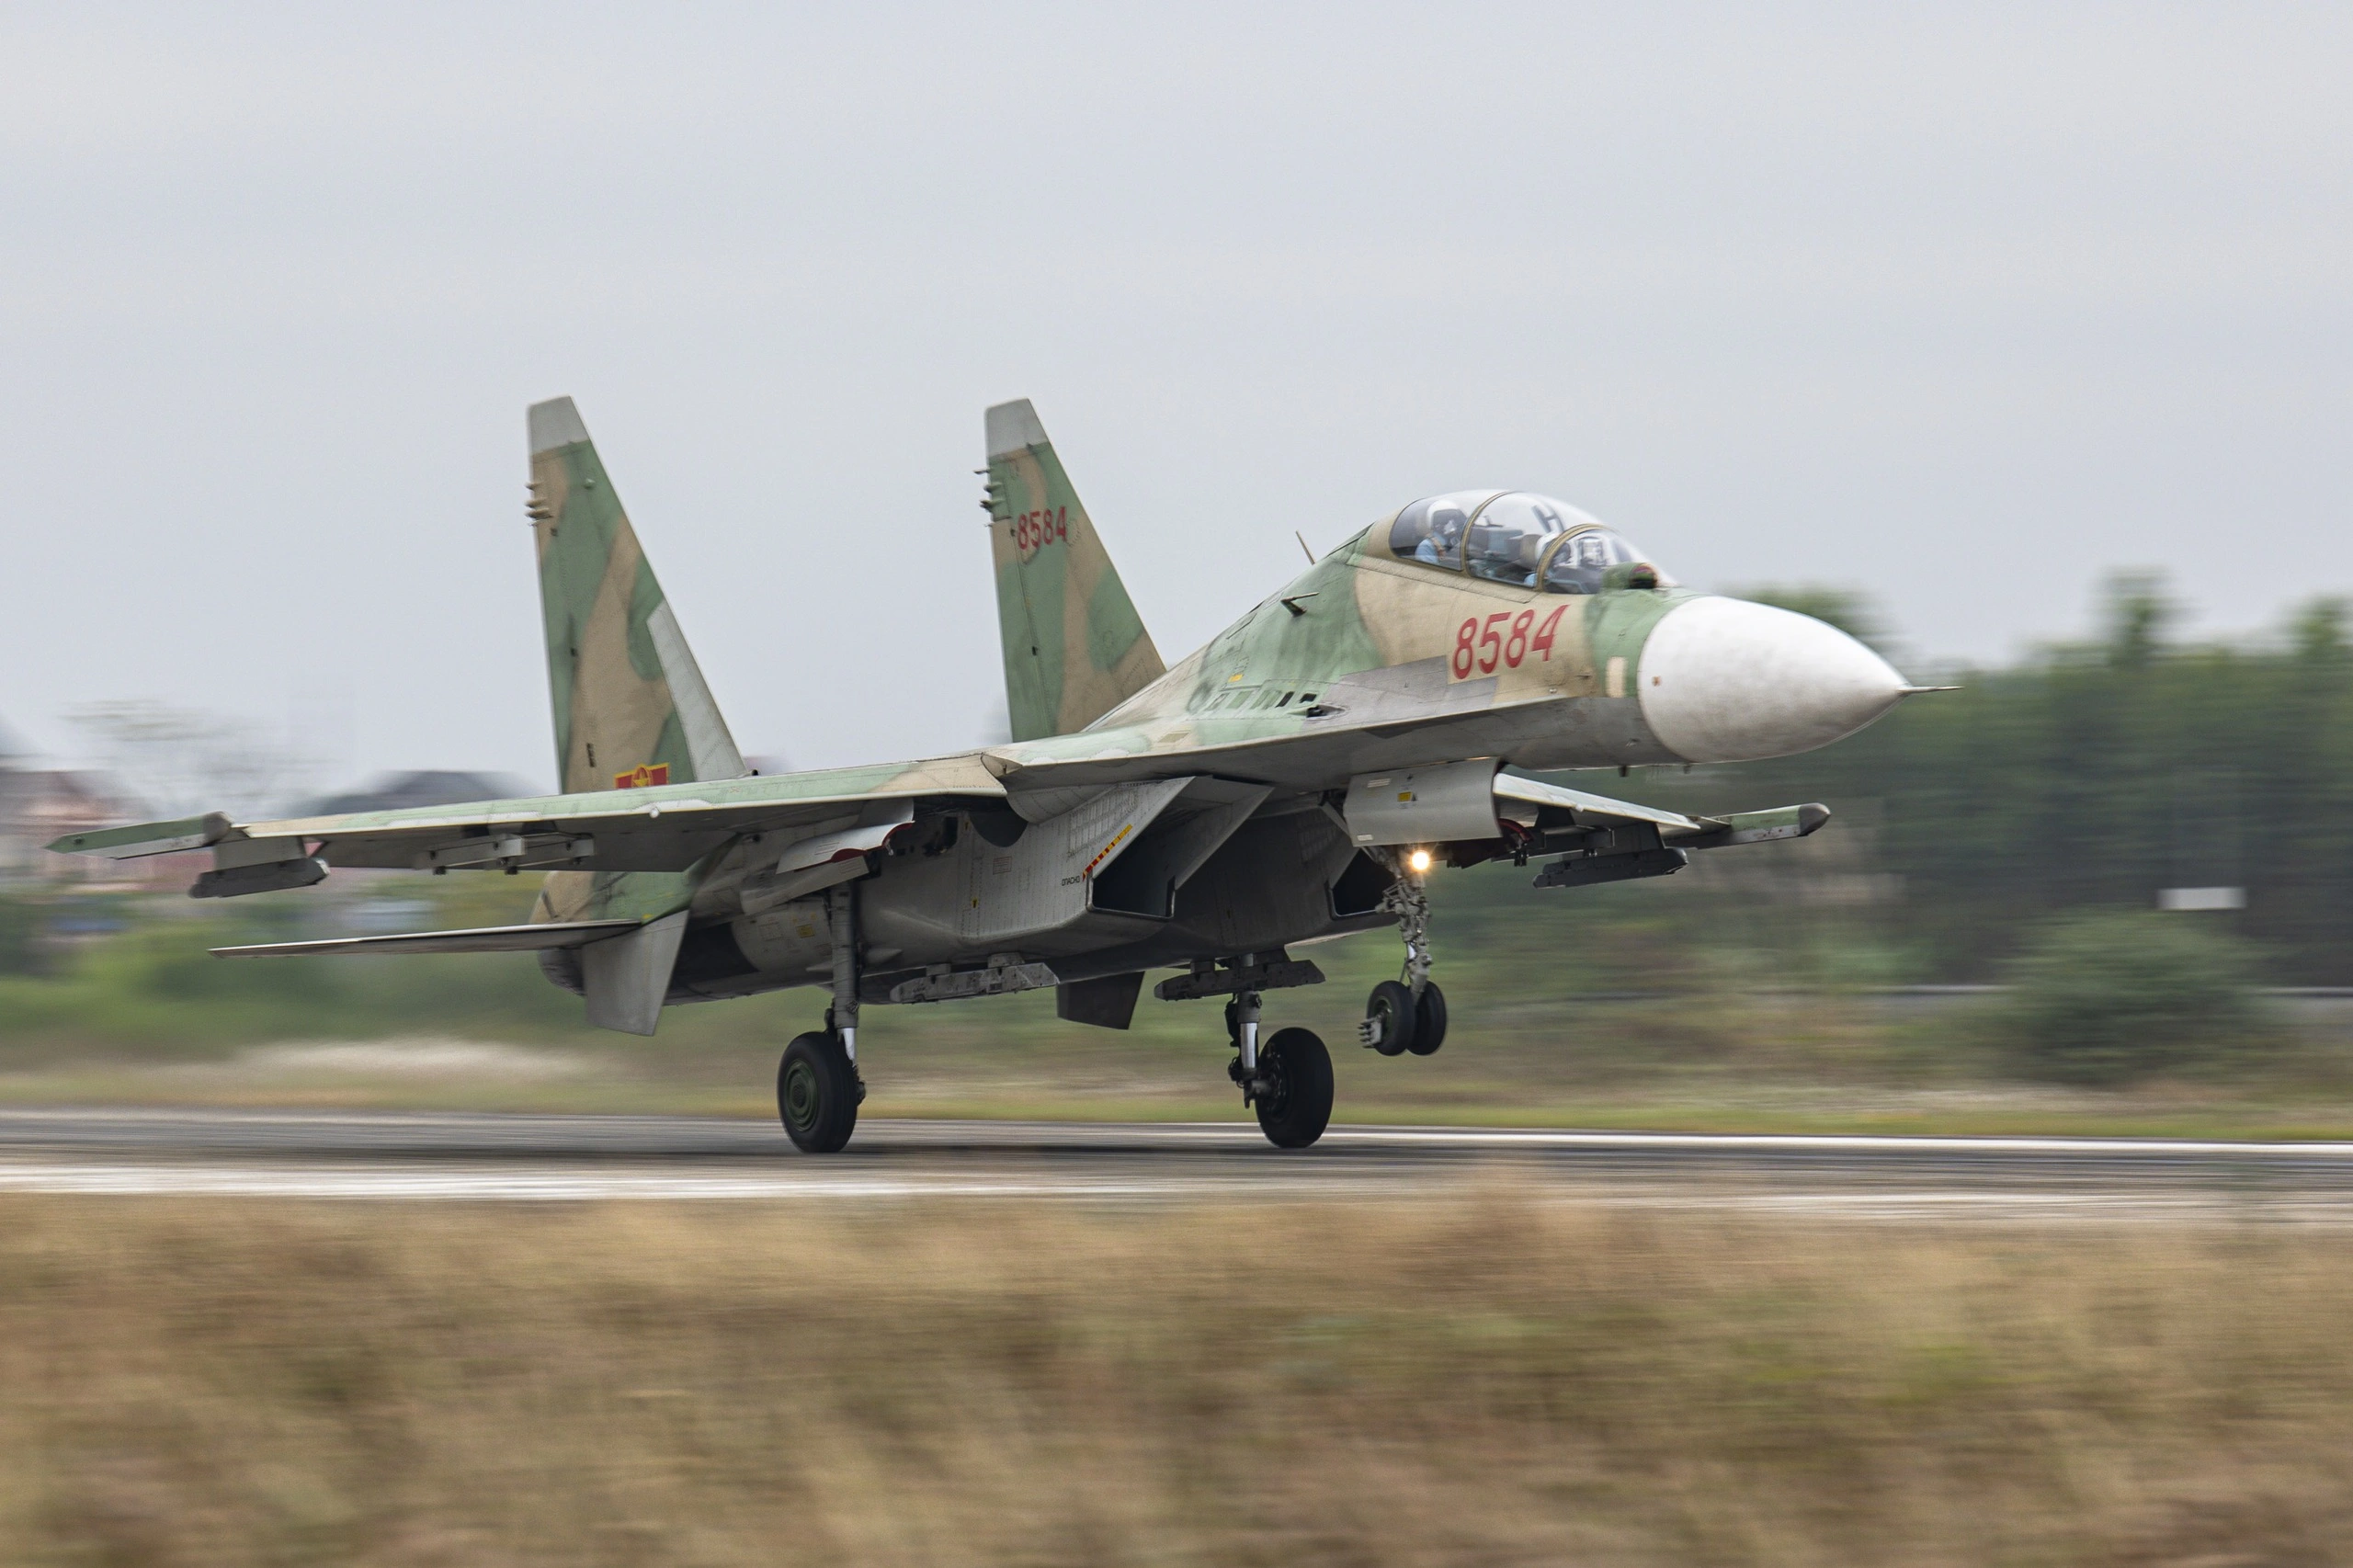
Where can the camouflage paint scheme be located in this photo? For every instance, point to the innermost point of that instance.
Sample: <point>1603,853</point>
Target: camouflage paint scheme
<point>1140,817</point>
<point>1075,647</point>
<point>625,690</point>
<point>1372,643</point>
<point>631,706</point>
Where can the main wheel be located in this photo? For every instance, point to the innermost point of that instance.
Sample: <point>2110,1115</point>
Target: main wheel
<point>1429,1021</point>
<point>1389,1018</point>
<point>1297,1104</point>
<point>817,1093</point>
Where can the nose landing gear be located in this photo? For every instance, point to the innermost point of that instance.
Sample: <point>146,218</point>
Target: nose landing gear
<point>1408,1013</point>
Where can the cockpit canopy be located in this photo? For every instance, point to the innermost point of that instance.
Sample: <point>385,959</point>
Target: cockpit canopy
<point>1511,536</point>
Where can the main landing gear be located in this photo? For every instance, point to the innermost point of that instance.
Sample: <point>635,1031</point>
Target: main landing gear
<point>1406,1014</point>
<point>818,1090</point>
<point>1288,1081</point>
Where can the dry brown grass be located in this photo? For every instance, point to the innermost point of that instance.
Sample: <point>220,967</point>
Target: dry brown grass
<point>1482,1379</point>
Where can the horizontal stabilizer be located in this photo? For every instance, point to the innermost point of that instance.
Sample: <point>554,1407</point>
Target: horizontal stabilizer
<point>481,939</point>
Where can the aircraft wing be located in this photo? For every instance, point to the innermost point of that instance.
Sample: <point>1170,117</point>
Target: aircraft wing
<point>1584,806</point>
<point>661,828</point>
<point>1674,830</point>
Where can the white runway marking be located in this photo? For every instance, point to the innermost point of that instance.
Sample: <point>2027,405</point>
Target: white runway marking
<point>512,1158</point>
<point>1830,1142</point>
<point>210,1180</point>
<point>382,1183</point>
<point>488,1131</point>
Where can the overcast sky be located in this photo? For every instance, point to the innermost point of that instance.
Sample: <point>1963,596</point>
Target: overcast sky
<point>1962,306</point>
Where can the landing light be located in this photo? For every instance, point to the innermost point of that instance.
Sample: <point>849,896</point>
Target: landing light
<point>1420,859</point>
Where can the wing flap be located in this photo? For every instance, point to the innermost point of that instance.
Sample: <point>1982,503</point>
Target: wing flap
<point>663,828</point>
<point>479,939</point>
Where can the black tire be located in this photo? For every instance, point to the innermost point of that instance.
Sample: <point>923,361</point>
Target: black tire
<point>1390,1009</point>
<point>817,1093</point>
<point>1297,1105</point>
<point>1429,1021</point>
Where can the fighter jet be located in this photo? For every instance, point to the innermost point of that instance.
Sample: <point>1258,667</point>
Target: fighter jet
<point>1297,779</point>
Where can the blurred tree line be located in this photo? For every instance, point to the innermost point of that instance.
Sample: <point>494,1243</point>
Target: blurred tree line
<point>80,969</point>
<point>2095,774</point>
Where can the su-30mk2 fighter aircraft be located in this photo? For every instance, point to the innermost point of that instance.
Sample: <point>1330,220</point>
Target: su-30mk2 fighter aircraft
<point>1292,781</point>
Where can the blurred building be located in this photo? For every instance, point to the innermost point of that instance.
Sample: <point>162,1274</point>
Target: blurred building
<point>39,804</point>
<point>426,787</point>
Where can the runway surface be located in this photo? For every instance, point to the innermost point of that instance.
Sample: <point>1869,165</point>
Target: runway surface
<point>514,1158</point>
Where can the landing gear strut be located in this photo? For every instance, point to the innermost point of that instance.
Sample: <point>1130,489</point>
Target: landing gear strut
<point>1411,905</point>
<point>1288,1082</point>
<point>818,1090</point>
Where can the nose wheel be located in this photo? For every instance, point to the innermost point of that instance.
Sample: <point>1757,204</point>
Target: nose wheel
<point>1429,1021</point>
<point>1408,1013</point>
<point>1389,1015</point>
<point>1397,1021</point>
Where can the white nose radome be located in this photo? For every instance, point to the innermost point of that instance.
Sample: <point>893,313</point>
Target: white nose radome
<point>1725,680</point>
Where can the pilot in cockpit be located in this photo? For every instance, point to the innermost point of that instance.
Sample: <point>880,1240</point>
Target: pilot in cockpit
<point>1518,538</point>
<point>1442,546</point>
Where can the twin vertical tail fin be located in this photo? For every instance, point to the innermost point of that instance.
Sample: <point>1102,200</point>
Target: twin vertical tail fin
<point>631,706</point>
<point>631,711</point>
<point>1075,647</point>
